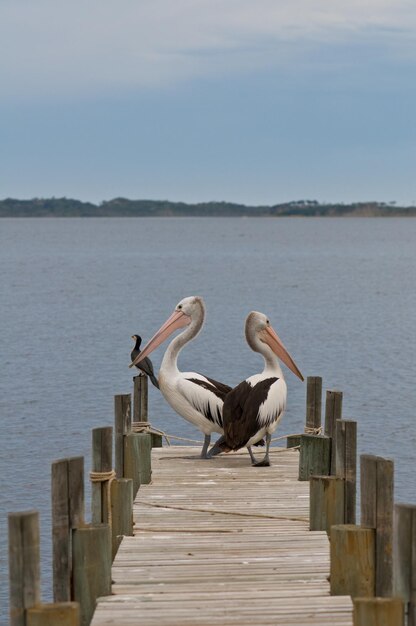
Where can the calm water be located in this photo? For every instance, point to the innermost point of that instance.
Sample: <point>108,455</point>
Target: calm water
<point>340,292</point>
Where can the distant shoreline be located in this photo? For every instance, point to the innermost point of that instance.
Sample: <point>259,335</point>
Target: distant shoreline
<point>123,207</point>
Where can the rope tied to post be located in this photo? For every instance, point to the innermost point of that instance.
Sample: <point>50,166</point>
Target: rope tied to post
<point>313,431</point>
<point>108,477</point>
<point>146,427</point>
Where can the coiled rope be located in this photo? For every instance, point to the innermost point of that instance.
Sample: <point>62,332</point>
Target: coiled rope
<point>108,477</point>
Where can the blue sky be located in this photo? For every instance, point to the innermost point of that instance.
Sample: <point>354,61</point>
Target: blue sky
<point>250,101</point>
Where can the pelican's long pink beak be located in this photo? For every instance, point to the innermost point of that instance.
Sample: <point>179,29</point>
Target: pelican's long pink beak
<point>272,339</point>
<point>178,319</point>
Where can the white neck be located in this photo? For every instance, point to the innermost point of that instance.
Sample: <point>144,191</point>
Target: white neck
<point>271,362</point>
<point>170,358</point>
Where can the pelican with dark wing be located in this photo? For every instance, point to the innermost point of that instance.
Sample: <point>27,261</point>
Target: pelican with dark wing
<point>146,364</point>
<point>254,408</point>
<point>195,397</point>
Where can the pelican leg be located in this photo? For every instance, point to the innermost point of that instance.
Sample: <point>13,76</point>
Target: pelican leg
<point>216,448</point>
<point>265,462</point>
<point>207,441</point>
<point>252,457</point>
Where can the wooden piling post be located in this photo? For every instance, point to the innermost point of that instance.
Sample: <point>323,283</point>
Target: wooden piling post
<point>377,488</point>
<point>157,440</point>
<point>293,441</point>
<point>140,398</point>
<point>67,512</point>
<point>346,464</point>
<point>121,511</point>
<point>352,561</point>
<point>122,426</point>
<point>102,463</point>
<point>137,459</point>
<point>378,612</point>
<point>404,562</point>
<point>62,614</point>
<point>315,456</point>
<point>333,412</point>
<point>24,564</point>
<point>326,502</point>
<point>91,567</point>
<point>313,404</point>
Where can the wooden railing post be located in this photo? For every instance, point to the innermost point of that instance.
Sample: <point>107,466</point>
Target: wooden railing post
<point>122,419</point>
<point>121,511</point>
<point>102,463</point>
<point>26,608</point>
<point>315,450</point>
<point>140,398</point>
<point>326,502</point>
<point>352,560</point>
<point>91,567</point>
<point>24,564</point>
<point>378,612</point>
<point>346,465</point>
<point>313,404</point>
<point>60,614</point>
<point>67,512</point>
<point>405,557</point>
<point>315,456</point>
<point>333,412</point>
<point>137,459</point>
<point>377,475</point>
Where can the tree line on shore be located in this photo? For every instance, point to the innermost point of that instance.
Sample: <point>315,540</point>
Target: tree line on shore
<point>123,207</point>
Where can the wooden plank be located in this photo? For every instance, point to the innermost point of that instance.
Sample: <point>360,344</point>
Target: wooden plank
<point>24,564</point>
<point>211,543</point>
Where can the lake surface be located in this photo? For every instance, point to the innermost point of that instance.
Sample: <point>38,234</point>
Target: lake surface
<point>340,293</point>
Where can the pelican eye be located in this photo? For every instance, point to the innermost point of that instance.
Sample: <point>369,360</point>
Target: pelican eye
<point>179,306</point>
<point>267,322</point>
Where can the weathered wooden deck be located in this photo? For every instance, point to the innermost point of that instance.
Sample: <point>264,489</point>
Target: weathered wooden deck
<point>220,542</point>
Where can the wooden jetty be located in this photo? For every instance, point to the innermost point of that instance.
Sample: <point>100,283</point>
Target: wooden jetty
<point>221,542</point>
<point>175,540</point>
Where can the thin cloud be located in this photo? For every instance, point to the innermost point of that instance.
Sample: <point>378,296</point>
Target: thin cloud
<point>60,48</point>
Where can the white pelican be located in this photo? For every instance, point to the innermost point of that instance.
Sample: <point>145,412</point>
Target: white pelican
<point>197,398</point>
<point>254,408</point>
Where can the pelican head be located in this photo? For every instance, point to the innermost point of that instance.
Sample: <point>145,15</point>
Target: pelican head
<point>189,311</point>
<point>259,332</point>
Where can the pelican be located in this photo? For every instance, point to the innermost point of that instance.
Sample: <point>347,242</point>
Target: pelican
<point>197,398</point>
<point>253,409</point>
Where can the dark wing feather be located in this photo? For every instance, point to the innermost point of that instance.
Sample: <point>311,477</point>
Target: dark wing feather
<point>211,410</point>
<point>220,389</point>
<point>240,412</point>
<point>233,410</point>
